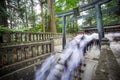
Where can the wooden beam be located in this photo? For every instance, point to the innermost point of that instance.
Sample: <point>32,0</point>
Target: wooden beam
<point>104,11</point>
<point>83,8</point>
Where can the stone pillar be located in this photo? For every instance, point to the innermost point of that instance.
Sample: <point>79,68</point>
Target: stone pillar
<point>108,68</point>
<point>52,45</point>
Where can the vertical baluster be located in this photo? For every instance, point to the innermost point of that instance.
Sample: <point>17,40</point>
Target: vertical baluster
<point>42,49</point>
<point>20,40</point>
<point>9,37</point>
<point>14,55</point>
<point>35,50</point>
<point>47,48</point>
<point>26,52</point>
<point>42,37</point>
<point>19,56</point>
<point>39,49</point>
<point>33,36</point>
<point>51,45</point>
<point>9,56</point>
<point>4,57</point>
<point>22,53</point>
<point>47,36</point>
<point>21,37</point>
<point>25,36</point>
<point>38,37</point>
<point>12,37</point>
<point>5,37</point>
<point>29,36</point>
<point>16,37</point>
<point>30,51</point>
<point>32,48</point>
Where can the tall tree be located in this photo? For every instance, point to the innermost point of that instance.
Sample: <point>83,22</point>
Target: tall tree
<point>3,13</point>
<point>42,15</point>
<point>52,25</point>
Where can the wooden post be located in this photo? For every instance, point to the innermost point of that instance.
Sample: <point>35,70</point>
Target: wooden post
<point>99,21</point>
<point>64,32</point>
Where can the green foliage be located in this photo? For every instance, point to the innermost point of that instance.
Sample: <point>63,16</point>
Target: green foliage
<point>109,18</point>
<point>36,28</point>
<point>59,28</point>
<point>72,27</point>
<point>64,5</point>
<point>5,29</point>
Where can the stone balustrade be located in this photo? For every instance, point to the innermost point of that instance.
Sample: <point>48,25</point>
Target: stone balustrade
<point>23,59</point>
<point>15,53</point>
<point>21,53</point>
<point>9,38</point>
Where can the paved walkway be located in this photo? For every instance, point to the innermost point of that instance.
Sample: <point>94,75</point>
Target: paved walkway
<point>91,59</point>
<point>115,46</point>
<point>58,49</point>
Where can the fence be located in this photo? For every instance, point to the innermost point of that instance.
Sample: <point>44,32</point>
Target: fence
<point>21,60</point>
<point>10,38</point>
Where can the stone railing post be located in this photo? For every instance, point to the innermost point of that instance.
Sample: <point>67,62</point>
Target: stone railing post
<point>108,68</point>
<point>52,45</point>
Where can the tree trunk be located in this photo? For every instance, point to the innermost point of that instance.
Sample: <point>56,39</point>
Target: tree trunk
<point>33,14</point>
<point>51,21</point>
<point>3,14</point>
<point>42,15</point>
